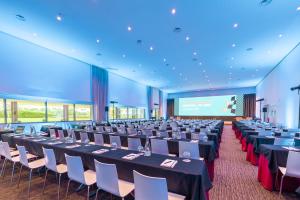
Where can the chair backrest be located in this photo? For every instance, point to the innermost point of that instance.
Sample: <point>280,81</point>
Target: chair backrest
<point>108,129</point>
<point>61,134</point>
<point>107,177</point>
<point>193,148</point>
<point>195,136</point>
<point>293,164</point>
<point>131,131</point>
<point>84,137</point>
<point>134,143</point>
<point>52,133</point>
<point>70,132</point>
<point>50,160</point>
<point>116,139</point>
<point>147,132</point>
<point>121,130</point>
<point>164,134</point>
<point>23,155</point>
<point>284,141</point>
<point>98,139</point>
<point>149,188</point>
<point>159,146</point>
<point>183,135</point>
<point>75,168</point>
<point>100,129</point>
<point>5,150</point>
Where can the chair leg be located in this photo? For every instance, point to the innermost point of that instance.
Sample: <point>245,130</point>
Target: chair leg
<point>59,179</point>
<point>12,172</point>
<point>280,190</point>
<point>97,194</point>
<point>20,175</point>
<point>88,193</point>
<point>3,166</point>
<point>29,184</point>
<point>45,180</point>
<point>68,188</point>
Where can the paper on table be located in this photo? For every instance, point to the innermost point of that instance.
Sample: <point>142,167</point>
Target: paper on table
<point>194,141</point>
<point>100,151</point>
<point>152,136</point>
<point>39,140</point>
<point>291,148</point>
<point>167,138</point>
<point>72,146</point>
<point>270,136</point>
<point>131,156</point>
<point>53,143</point>
<point>169,163</point>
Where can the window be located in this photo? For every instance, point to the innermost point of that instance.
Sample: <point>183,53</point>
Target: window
<point>19,111</point>
<point>123,113</point>
<point>83,112</point>
<point>70,112</point>
<point>141,113</point>
<point>130,113</point>
<point>60,112</point>
<point>113,112</point>
<point>2,119</point>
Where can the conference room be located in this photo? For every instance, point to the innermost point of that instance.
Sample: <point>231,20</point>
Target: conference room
<point>149,100</point>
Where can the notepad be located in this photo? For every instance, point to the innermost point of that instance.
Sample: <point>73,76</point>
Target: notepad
<point>291,148</point>
<point>194,141</point>
<point>131,156</point>
<point>269,136</point>
<point>39,140</point>
<point>151,137</point>
<point>167,138</point>
<point>169,163</point>
<point>72,146</point>
<point>100,151</point>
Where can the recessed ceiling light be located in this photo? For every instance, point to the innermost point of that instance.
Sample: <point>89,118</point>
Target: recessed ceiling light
<point>98,41</point>
<point>204,71</point>
<point>59,17</point>
<point>230,67</point>
<point>34,34</point>
<point>129,28</point>
<point>173,68</point>
<point>140,65</point>
<point>165,60</point>
<point>123,55</point>
<point>280,35</point>
<point>200,63</point>
<point>233,45</point>
<point>194,53</point>
<point>235,25</point>
<point>298,9</point>
<point>173,11</point>
<point>232,58</point>
<point>187,38</point>
<point>180,74</point>
<point>151,48</point>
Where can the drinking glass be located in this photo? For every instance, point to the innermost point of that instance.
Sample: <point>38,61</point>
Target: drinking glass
<point>186,155</point>
<point>114,146</point>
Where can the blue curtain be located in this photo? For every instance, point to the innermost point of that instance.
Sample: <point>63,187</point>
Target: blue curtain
<point>99,92</point>
<point>150,101</point>
<point>161,103</point>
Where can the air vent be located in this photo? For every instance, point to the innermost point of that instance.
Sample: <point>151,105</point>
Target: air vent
<point>249,49</point>
<point>139,41</point>
<point>265,2</point>
<point>177,30</point>
<point>98,54</point>
<point>195,59</point>
<point>21,18</point>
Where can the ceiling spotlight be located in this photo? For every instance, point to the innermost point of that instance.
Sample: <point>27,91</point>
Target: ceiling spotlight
<point>233,45</point>
<point>59,17</point>
<point>34,34</point>
<point>187,38</point>
<point>200,63</point>
<point>173,11</point>
<point>173,68</point>
<point>151,48</point>
<point>232,58</point>
<point>129,28</point>
<point>98,41</point>
<point>235,25</point>
<point>298,9</point>
<point>230,67</point>
<point>124,56</point>
<point>194,53</point>
<point>280,35</point>
<point>165,60</point>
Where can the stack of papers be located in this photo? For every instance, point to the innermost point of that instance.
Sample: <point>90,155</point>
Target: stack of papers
<point>194,141</point>
<point>100,151</point>
<point>169,163</point>
<point>269,136</point>
<point>39,140</point>
<point>167,138</point>
<point>131,156</point>
<point>152,136</point>
<point>72,146</point>
<point>53,143</point>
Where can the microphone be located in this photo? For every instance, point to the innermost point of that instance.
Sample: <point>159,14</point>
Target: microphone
<point>295,88</point>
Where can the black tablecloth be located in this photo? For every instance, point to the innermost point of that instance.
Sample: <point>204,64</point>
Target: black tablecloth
<point>46,128</point>
<point>207,149</point>
<point>189,179</point>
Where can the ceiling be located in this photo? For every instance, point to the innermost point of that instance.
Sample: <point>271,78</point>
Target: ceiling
<point>170,44</point>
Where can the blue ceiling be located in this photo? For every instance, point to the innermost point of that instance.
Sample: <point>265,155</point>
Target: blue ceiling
<point>219,44</point>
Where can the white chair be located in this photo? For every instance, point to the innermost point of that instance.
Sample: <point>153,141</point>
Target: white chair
<point>147,132</point>
<point>183,135</point>
<point>100,129</point>
<point>195,136</point>
<point>98,139</point>
<point>134,143</point>
<point>164,134</point>
<point>292,168</point>
<point>192,148</point>
<point>284,141</point>
<point>108,129</point>
<point>70,132</point>
<point>77,174</point>
<point>131,131</point>
<point>115,139</point>
<point>52,133</point>
<point>12,156</point>
<point>150,188</point>
<point>159,146</point>
<point>84,137</point>
<point>61,134</point>
<point>107,180</point>
<point>50,163</point>
<point>36,164</point>
<point>121,130</point>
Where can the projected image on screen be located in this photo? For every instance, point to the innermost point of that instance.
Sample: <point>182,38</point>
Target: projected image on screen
<point>230,105</point>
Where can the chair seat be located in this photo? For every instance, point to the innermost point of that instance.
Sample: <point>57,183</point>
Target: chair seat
<point>283,171</point>
<point>173,196</point>
<point>125,188</point>
<point>61,168</point>
<point>172,155</point>
<point>36,163</point>
<point>89,177</point>
<point>17,158</point>
<point>14,153</point>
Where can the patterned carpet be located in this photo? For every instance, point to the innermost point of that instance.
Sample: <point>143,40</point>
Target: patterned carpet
<point>235,178</point>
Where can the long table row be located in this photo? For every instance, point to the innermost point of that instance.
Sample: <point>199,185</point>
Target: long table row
<point>262,152</point>
<point>188,179</point>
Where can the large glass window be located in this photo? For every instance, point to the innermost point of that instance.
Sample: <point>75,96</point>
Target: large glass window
<point>140,113</point>
<point>2,119</point>
<point>55,112</point>
<point>19,111</point>
<point>71,113</point>
<point>123,113</point>
<point>83,112</point>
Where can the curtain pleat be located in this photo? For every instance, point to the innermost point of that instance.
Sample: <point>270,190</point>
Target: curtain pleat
<point>170,108</point>
<point>150,101</point>
<point>249,105</point>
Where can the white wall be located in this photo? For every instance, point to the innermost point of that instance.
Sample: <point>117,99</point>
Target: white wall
<point>27,69</point>
<point>126,92</point>
<point>275,89</point>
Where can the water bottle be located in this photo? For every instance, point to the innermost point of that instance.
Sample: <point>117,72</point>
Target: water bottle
<point>147,148</point>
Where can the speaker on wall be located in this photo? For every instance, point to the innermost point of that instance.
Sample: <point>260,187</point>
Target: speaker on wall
<point>106,108</point>
<point>265,109</point>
